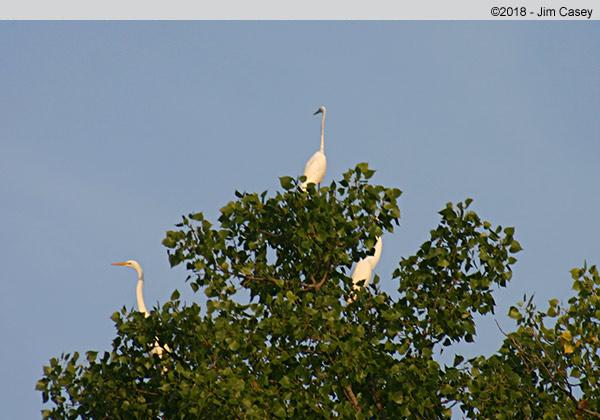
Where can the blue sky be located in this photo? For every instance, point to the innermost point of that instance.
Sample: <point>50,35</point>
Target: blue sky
<point>110,131</point>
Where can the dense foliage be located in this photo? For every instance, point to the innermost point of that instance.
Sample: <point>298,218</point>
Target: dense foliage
<point>277,338</point>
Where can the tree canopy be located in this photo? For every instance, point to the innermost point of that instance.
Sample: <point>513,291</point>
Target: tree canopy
<point>278,337</point>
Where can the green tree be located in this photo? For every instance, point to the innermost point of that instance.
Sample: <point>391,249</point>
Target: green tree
<point>277,338</point>
<point>550,366</point>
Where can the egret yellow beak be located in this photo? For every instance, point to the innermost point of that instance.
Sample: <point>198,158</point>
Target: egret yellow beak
<point>120,263</point>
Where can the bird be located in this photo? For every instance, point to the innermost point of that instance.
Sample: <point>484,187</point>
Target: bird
<point>315,168</point>
<point>139,292</point>
<point>364,269</point>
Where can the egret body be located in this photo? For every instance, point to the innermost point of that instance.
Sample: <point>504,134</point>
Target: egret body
<point>364,268</point>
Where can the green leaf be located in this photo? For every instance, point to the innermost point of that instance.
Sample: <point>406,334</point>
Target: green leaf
<point>458,359</point>
<point>41,385</point>
<point>91,356</point>
<point>514,313</point>
<point>515,246</point>
<point>234,346</point>
<point>287,182</point>
<point>197,216</point>
<point>397,397</point>
<point>443,263</point>
<point>362,167</point>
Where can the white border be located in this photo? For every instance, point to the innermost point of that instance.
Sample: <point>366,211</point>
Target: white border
<point>281,9</point>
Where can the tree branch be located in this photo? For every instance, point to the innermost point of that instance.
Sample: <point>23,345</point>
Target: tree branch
<point>352,398</point>
<point>314,284</point>
<point>251,277</point>
<point>376,399</point>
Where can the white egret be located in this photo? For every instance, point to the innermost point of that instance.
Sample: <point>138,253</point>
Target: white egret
<point>364,269</point>
<point>139,293</point>
<point>315,168</point>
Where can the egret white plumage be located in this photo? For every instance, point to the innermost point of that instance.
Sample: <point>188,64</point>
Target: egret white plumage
<point>364,269</point>
<point>139,292</point>
<point>315,168</point>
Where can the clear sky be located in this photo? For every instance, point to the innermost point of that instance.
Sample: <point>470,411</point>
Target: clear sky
<point>110,131</point>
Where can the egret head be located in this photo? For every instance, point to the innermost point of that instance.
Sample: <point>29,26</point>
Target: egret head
<point>321,110</point>
<point>131,264</point>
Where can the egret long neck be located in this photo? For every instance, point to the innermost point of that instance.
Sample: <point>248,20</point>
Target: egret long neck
<point>139,293</point>
<point>323,132</point>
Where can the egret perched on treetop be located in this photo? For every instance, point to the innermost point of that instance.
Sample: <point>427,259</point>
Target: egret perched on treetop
<point>364,268</point>
<point>315,168</point>
<point>139,292</point>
